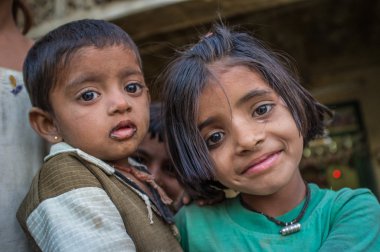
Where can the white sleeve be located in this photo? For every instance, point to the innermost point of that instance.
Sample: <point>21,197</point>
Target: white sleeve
<point>83,219</point>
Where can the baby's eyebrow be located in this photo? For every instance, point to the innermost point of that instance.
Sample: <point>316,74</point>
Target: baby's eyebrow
<point>83,78</point>
<point>96,77</point>
<point>252,94</point>
<point>128,72</point>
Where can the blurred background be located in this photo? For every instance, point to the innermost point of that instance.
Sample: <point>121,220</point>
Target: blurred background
<point>335,45</point>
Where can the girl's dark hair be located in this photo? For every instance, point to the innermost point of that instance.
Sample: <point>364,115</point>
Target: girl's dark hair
<point>47,60</point>
<point>28,20</point>
<point>184,80</point>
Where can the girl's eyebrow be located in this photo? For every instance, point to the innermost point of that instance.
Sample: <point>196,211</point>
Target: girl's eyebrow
<point>252,94</point>
<point>248,96</point>
<point>205,123</point>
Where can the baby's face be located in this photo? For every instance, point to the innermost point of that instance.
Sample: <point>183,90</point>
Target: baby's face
<point>101,102</point>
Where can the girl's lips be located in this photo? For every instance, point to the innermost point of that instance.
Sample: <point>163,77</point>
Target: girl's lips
<point>123,130</point>
<point>263,163</point>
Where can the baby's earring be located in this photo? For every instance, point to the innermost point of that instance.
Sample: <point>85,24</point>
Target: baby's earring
<point>56,138</point>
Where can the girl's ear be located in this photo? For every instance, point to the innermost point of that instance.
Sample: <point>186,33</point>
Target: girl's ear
<point>42,122</point>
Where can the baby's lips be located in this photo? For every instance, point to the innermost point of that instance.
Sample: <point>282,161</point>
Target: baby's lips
<point>123,131</point>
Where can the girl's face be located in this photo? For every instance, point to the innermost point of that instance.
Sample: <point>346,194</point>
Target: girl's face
<point>249,131</point>
<point>101,102</point>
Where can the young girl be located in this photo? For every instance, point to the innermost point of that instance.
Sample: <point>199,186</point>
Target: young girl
<point>90,101</point>
<point>236,115</point>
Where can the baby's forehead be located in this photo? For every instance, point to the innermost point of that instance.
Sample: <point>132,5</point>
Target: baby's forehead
<point>93,49</point>
<point>80,61</point>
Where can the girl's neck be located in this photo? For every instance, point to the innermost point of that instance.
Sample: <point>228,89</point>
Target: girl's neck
<point>279,202</point>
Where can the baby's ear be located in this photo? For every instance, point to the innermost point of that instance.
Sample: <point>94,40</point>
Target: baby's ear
<point>42,122</point>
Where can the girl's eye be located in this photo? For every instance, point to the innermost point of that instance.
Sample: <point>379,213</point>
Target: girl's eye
<point>133,88</point>
<point>89,95</point>
<point>214,139</point>
<point>263,109</point>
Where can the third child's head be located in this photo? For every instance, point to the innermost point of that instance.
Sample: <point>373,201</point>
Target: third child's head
<point>152,152</point>
<point>87,89</point>
<point>236,114</point>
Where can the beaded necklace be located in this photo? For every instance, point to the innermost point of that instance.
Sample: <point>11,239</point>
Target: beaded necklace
<point>288,227</point>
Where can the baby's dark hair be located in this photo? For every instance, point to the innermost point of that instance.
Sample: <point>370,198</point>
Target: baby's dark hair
<point>156,124</point>
<point>49,57</point>
<point>184,80</point>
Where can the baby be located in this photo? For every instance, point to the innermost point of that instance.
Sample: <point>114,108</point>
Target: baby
<point>90,101</point>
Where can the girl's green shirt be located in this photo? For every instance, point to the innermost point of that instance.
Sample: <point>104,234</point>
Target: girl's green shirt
<point>344,220</point>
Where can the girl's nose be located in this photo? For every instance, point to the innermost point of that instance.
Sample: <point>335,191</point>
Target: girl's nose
<point>119,103</point>
<point>249,136</point>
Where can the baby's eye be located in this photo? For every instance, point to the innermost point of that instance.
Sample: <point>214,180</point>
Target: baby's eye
<point>89,95</point>
<point>214,139</point>
<point>133,88</point>
<point>263,109</point>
